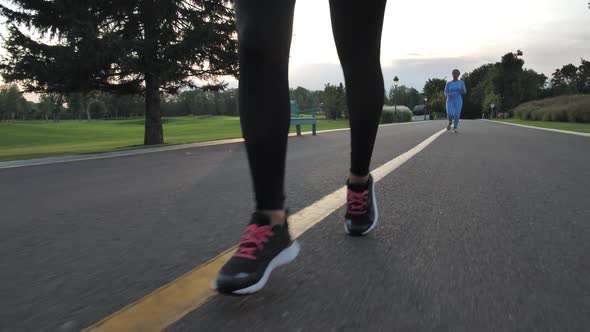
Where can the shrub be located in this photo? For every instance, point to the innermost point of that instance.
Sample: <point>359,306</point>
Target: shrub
<point>389,115</point>
<point>572,108</point>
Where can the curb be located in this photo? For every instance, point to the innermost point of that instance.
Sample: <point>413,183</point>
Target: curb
<point>541,128</point>
<point>140,151</point>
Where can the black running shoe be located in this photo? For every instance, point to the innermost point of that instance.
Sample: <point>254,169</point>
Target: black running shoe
<point>361,213</point>
<point>261,250</point>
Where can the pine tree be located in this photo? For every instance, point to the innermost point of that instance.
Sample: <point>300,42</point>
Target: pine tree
<point>123,47</point>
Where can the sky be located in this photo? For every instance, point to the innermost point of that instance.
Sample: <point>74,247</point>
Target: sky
<point>428,38</point>
<point>424,39</point>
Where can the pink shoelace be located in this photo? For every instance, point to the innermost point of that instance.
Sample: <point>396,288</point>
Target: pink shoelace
<point>357,202</point>
<point>257,235</point>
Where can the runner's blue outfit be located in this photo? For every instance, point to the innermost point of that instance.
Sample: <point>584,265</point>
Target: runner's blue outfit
<point>453,91</point>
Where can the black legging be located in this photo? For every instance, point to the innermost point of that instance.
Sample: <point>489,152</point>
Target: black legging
<point>264,41</point>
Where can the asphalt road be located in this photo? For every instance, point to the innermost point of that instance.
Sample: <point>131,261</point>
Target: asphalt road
<point>486,230</point>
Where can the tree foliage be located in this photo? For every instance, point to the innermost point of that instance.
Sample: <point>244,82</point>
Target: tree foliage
<point>12,104</point>
<point>333,101</point>
<point>570,79</point>
<point>403,95</point>
<point>505,83</point>
<point>433,86</point>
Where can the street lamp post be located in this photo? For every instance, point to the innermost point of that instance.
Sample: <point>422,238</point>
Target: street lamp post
<point>395,82</point>
<point>425,103</point>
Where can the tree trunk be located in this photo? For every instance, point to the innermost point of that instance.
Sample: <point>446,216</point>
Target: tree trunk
<point>86,105</point>
<point>153,120</point>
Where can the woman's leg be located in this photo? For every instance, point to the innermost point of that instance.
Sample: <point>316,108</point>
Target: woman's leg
<point>357,27</point>
<point>264,40</point>
<point>450,113</point>
<point>458,106</point>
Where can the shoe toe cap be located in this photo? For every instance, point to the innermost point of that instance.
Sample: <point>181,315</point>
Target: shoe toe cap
<point>355,228</point>
<point>227,284</point>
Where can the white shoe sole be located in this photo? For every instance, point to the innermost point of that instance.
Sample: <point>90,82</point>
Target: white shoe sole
<point>375,221</point>
<point>285,257</point>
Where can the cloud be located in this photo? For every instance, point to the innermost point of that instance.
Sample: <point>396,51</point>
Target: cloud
<point>412,72</point>
<point>546,47</point>
<point>415,72</point>
<point>315,76</point>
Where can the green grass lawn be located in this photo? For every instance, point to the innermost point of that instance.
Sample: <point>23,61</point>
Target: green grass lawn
<point>36,139</point>
<point>573,126</point>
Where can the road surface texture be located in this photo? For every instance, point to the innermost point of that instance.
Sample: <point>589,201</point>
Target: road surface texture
<point>485,230</point>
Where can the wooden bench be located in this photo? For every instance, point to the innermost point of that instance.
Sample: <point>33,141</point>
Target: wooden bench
<point>297,120</point>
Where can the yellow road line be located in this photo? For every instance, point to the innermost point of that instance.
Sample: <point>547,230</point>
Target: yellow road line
<point>168,304</point>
